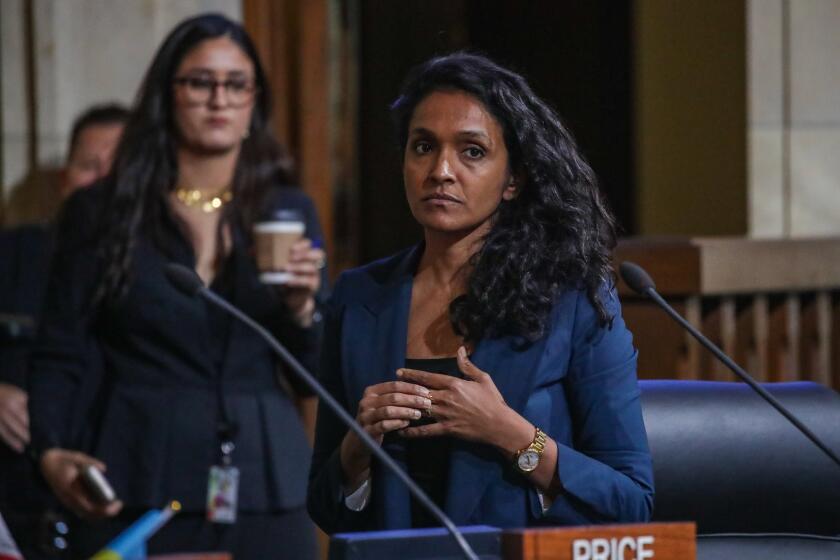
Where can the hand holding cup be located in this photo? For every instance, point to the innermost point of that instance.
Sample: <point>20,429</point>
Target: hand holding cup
<point>274,238</point>
<point>287,259</point>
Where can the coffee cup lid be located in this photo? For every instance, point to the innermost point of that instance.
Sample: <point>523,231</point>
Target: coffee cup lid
<point>279,227</point>
<point>275,277</point>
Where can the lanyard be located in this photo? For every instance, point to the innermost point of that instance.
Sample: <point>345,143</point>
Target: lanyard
<point>226,429</point>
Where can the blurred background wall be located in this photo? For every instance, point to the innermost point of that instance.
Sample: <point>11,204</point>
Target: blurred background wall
<point>57,58</point>
<point>719,117</point>
<point>794,117</point>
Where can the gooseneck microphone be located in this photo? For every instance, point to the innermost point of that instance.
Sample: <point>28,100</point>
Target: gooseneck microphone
<point>640,282</point>
<point>188,282</point>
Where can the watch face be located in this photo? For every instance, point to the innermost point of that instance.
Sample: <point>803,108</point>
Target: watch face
<point>528,460</point>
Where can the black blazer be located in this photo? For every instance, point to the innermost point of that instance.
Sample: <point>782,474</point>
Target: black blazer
<point>24,257</point>
<point>156,421</point>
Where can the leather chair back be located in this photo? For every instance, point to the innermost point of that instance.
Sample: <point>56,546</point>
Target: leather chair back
<point>727,460</point>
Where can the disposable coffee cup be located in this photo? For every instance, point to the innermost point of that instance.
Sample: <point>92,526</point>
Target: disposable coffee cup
<point>273,240</point>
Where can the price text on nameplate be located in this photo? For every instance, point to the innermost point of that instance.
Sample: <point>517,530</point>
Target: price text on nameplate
<point>657,541</point>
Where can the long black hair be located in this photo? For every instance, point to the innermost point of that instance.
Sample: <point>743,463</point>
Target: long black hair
<point>145,168</point>
<point>556,234</point>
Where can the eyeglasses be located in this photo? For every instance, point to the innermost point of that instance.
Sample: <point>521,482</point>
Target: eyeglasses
<point>199,90</point>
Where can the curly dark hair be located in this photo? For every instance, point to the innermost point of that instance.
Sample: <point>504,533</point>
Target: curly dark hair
<point>557,234</point>
<point>145,168</point>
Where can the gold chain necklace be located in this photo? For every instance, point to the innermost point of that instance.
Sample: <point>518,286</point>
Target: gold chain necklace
<point>208,203</point>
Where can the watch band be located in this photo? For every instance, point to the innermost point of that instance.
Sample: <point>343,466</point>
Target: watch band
<point>534,451</point>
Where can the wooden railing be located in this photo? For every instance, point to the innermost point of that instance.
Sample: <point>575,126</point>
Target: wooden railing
<point>773,305</point>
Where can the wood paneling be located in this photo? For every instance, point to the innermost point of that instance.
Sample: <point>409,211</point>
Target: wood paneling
<point>770,304</point>
<point>296,40</point>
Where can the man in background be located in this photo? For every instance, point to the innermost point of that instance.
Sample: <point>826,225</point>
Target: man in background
<point>24,260</point>
<point>93,141</point>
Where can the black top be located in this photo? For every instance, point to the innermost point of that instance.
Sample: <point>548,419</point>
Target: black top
<point>427,459</point>
<point>162,355</point>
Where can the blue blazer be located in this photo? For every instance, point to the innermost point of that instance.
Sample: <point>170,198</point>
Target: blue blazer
<point>577,383</point>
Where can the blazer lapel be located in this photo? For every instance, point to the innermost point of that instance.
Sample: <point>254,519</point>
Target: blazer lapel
<point>246,285</point>
<point>190,314</point>
<point>386,353</point>
<point>234,325</point>
<point>472,465</point>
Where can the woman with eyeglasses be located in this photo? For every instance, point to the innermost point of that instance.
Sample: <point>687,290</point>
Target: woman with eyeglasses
<point>190,406</point>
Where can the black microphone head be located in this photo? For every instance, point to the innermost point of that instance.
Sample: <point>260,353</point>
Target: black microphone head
<point>183,278</point>
<point>636,277</point>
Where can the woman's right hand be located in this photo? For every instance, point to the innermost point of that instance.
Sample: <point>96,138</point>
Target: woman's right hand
<point>14,417</point>
<point>385,407</point>
<point>62,469</point>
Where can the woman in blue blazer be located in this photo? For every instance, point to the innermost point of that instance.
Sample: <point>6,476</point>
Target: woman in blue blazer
<point>490,360</point>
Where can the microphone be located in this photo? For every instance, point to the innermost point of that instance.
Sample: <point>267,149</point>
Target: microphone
<point>640,282</point>
<point>188,282</point>
<point>184,279</point>
<point>637,278</point>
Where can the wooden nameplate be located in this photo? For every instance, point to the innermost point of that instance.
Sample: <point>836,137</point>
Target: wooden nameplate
<point>659,541</point>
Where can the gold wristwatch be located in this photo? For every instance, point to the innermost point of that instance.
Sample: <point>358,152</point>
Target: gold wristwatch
<point>528,459</point>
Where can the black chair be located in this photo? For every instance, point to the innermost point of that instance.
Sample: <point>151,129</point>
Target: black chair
<point>755,486</point>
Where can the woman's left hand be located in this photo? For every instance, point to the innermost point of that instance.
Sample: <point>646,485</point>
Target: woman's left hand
<point>471,408</point>
<point>305,264</point>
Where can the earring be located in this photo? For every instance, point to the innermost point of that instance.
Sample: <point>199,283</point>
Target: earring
<point>512,189</point>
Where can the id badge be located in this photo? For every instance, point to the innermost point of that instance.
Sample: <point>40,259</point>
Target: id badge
<point>222,494</point>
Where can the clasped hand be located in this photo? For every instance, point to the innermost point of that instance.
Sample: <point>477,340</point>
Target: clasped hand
<point>471,408</point>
